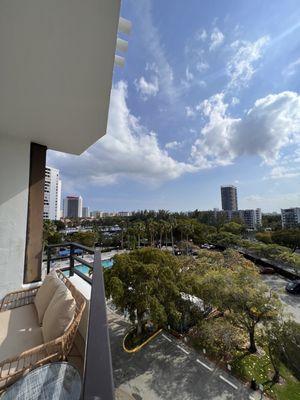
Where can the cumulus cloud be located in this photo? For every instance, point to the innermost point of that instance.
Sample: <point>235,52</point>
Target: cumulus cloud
<point>216,39</point>
<point>128,150</point>
<point>269,126</point>
<point>173,145</point>
<point>240,68</point>
<point>190,112</point>
<point>283,172</point>
<point>147,88</point>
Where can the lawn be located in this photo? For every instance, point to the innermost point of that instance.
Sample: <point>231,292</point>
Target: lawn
<point>259,368</point>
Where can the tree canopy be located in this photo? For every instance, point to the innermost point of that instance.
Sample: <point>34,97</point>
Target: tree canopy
<point>146,283</point>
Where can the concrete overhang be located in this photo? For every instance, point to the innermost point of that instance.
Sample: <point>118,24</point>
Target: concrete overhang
<point>56,65</point>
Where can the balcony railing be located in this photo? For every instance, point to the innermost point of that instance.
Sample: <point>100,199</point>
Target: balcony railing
<point>98,375</point>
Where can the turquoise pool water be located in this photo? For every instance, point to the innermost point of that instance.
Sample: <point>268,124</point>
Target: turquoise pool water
<point>85,270</point>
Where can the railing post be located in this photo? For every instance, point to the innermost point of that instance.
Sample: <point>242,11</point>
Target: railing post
<point>48,259</point>
<point>98,376</point>
<point>71,260</point>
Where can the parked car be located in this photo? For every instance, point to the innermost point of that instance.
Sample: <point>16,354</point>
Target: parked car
<point>207,246</point>
<point>177,252</point>
<point>66,252</point>
<point>267,270</point>
<point>293,287</point>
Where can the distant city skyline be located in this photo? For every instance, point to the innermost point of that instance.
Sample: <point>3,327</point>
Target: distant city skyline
<point>217,102</point>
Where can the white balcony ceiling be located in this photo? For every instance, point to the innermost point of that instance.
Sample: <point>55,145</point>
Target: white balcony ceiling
<point>56,64</point>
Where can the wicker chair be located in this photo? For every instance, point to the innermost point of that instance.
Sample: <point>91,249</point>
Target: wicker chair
<point>58,349</point>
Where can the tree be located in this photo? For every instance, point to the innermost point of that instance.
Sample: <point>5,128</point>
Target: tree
<point>250,302</point>
<point>287,237</point>
<point>145,283</point>
<point>139,228</point>
<point>49,229</point>
<point>264,237</point>
<point>238,291</point>
<point>225,239</point>
<point>173,225</point>
<point>218,336</point>
<point>60,225</point>
<point>55,238</point>
<point>85,238</point>
<point>186,228</point>
<point>233,227</point>
<point>271,221</point>
<point>152,228</point>
<point>283,341</point>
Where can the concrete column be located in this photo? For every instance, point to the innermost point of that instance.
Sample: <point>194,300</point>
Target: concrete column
<point>14,177</point>
<point>34,239</point>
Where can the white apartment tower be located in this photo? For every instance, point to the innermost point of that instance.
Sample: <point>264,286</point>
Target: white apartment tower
<point>290,217</point>
<point>85,212</point>
<point>52,194</point>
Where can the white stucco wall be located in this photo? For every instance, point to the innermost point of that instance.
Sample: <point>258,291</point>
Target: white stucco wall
<point>14,178</point>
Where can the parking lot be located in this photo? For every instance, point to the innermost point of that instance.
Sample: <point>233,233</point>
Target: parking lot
<point>291,302</point>
<point>167,369</point>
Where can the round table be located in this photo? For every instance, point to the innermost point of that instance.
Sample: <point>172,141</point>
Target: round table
<point>54,381</point>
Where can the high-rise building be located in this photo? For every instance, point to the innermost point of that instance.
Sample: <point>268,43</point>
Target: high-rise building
<point>124,214</point>
<point>290,217</point>
<point>251,218</point>
<point>85,212</point>
<point>73,207</point>
<point>229,198</point>
<point>52,194</point>
<point>96,214</point>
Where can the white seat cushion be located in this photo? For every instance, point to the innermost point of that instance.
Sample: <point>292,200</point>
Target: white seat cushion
<point>19,331</point>
<point>45,293</point>
<point>59,314</point>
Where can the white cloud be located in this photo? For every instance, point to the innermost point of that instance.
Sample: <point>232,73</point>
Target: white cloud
<point>151,67</point>
<point>173,145</point>
<point>147,88</point>
<point>202,66</point>
<point>292,68</point>
<point>268,127</point>
<point>240,68</point>
<point>271,201</point>
<point>127,151</point>
<point>283,172</point>
<point>152,41</point>
<point>201,35</point>
<point>216,39</point>
<point>188,74</point>
<point>190,112</point>
<point>235,101</point>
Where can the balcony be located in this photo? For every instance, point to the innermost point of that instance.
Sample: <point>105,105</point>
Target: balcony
<point>91,350</point>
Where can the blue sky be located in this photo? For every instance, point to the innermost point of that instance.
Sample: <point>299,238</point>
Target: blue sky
<point>210,95</point>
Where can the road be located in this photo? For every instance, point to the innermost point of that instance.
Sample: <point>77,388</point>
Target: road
<point>290,301</point>
<point>167,369</point>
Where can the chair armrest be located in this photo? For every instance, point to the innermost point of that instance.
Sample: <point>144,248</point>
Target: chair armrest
<point>12,368</point>
<point>18,299</point>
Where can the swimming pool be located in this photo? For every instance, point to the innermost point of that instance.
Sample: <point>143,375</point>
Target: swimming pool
<point>85,270</point>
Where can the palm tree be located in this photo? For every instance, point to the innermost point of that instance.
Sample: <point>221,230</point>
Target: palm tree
<point>152,229</point>
<point>49,228</point>
<point>186,228</point>
<point>173,225</point>
<point>122,224</point>
<point>161,228</point>
<point>139,228</point>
